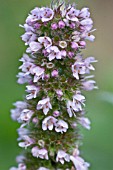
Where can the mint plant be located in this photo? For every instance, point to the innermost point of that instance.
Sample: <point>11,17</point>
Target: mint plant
<point>56,74</point>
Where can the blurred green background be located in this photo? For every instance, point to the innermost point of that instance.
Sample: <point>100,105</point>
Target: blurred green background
<point>98,143</point>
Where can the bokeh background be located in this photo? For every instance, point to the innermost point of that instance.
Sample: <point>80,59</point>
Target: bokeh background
<point>98,143</point>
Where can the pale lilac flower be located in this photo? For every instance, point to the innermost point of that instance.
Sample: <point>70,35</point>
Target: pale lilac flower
<point>27,28</point>
<point>30,20</point>
<point>70,54</point>
<point>46,41</point>
<point>21,166</point>
<point>13,168</point>
<point>37,26</point>
<point>78,100</point>
<point>78,68</point>
<point>20,105</point>
<point>41,153</point>
<point>35,120</point>
<point>56,113</point>
<point>62,156</point>
<point>59,93</point>
<point>90,37</point>
<point>27,67</point>
<point>22,132</point>
<point>72,14</point>
<point>62,44</point>
<point>29,37</point>
<point>88,65</point>
<point>33,90</point>
<point>84,13</point>
<point>27,142</point>
<point>36,12</point>
<point>63,53</point>
<point>45,105</point>
<point>54,73</point>
<point>74,45</point>
<point>47,14</point>
<point>20,158</point>
<point>54,26</point>
<point>66,21</point>
<point>26,115</point>
<point>89,85</point>
<point>25,58</point>
<point>71,108</point>
<point>38,73</point>
<point>85,122</point>
<point>48,123</point>
<point>23,78</point>
<point>61,126</point>
<point>86,21</point>
<point>33,47</point>
<point>82,44</point>
<point>53,53</point>
<point>78,162</point>
<point>72,25</point>
<point>76,36</point>
<point>15,113</point>
<point>61,24</point>
<point>42,168</point>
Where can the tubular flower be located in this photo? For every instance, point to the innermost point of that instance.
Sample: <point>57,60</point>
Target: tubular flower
<point>56,74</point>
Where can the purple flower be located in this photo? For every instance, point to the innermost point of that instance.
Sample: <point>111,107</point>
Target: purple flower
<point>87,21</point>
<point>72,14</point>
<point>54,73</point>
<point>46,41</point>
<point>74,45</point>
<point>71,108</point>
<point>61,24</point>
<point>47,14</point>
<point>38,73</point>
<point>40,153</point>
<point>82,44</point>
<point>84,13</point>
<point>56,113</point>
<point>23,78</point>
<point>89,85</point>
<point>29,37</point>
<point>22,132</point>
<point>85,122</point>
<point>61,126</point>
<point>26,115</point>
<point>88,64</point>
<point>33,47</point>
<point>62,156</point>
<point>78,162</point>
<point>36,13</point>
<point>42,168</point>
<point>54,26</point>
<point>27,67</point>
<point>33,90</point>
<point>78,68</point>
<point>48,123</point>
<point>54,52</point>
<point>45,105</point>
<point>90,37</point>
<point>21,166</point>
<point>27,142</point>
<point>59,93</point>
<point>15,113</point>
<point>78,100</point>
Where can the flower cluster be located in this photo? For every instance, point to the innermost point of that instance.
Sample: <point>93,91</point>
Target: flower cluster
<point>55,74</point>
